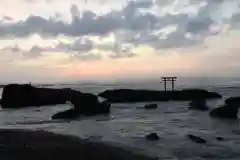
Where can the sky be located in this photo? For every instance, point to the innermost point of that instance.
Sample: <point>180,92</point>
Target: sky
<point>65,40</point>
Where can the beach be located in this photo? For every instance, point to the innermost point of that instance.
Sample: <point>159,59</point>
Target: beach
<point>26,145</point>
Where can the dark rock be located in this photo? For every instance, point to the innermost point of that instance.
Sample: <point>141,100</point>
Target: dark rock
<point>38,110</point>
<point>17,96</point>
<point>129,95</point>
<point>74,113</point>
<point>199,104</point>
<point>233,101</point>
<point>152,137</point>
<point>196,139</point>
<point>219,138</point>
<point>68,114</point>
<point>225,111</point>
<point>151,106</point>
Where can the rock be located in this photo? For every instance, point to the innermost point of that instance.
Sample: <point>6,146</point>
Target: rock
<point>225,111</point>
<point>68,114</point>
<point>38,110</point>
<point>151,106</point>
<point>129,95</point>
<point>17,96</point>
<point>233,101</point>
<point>152,137</point>
<point>76,113</point>
<point>199,104</point>
<point>219,138</point>
<point>196,139</point>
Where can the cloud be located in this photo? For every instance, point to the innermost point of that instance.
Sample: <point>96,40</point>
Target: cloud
<point>86,23</point>
<point>81,48</point>
<point>7,18</point>
<point>136,27</point>
<point>30,1</point>
<point>86,56</point>
<point>235,21</point>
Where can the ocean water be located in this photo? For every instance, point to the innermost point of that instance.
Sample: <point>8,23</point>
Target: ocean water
<point>128,124</point>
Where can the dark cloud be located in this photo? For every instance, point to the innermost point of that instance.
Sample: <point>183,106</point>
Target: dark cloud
<point>138,27</point>
<point>13,49</point>
<point>81,48</point>
<point>86,56</point>
<point>7,18</point>
<point>235,21</point>
<point>142,4</point>
<point>34,52</point>
<point>198,25</point>
<point>87,23</point>
<point>123,51</point>
<point>176,39</point>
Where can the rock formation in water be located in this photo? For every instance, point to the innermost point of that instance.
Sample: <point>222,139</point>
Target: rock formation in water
<point>73,113</point>
<point>233,101</point>
<point>151,106</point>
<point>68,114</point>
<point>225,111</point>
<point>17,96</point>
<point>129,95</point>
<point>152,137</point>
<point>199,104</point>
<point>196,139</point>
<point>220,138</point>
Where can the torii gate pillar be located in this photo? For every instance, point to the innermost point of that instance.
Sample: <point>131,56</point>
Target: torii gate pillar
<point>172,79</point>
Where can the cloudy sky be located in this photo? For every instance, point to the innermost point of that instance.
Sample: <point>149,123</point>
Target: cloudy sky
<point>52,40</point>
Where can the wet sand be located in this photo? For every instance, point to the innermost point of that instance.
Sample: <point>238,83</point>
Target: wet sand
<point>42,145</point>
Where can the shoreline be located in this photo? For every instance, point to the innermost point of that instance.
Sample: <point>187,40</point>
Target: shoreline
<point>25,144</point>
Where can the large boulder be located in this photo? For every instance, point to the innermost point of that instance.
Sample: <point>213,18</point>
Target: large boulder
<point>233,101</point>
<point>151,106</point>
<point>129,95</point>
<point>73,113</point>
<point>17,96</point>
<point>196,139</point>
<point>68,114</point>
<point>152,137</point>
<point>225,111</point>
<point>199,104</point>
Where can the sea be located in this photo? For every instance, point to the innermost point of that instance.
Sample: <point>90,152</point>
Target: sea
<point>129,123</point>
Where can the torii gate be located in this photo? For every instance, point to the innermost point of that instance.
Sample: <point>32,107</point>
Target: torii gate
<point>165,79</point>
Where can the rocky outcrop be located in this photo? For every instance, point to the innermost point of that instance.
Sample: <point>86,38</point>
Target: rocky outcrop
<point>233,101</point>
<point>151,106</point>
<point>220,138</point>
<point>152,137</point>
<point>68,114</point>
<point>199,104</point>
<point>17,96</point>
<point>196,139</point>
<point>225,111</point>
<point>129,95</point>
<point>74,113</point>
